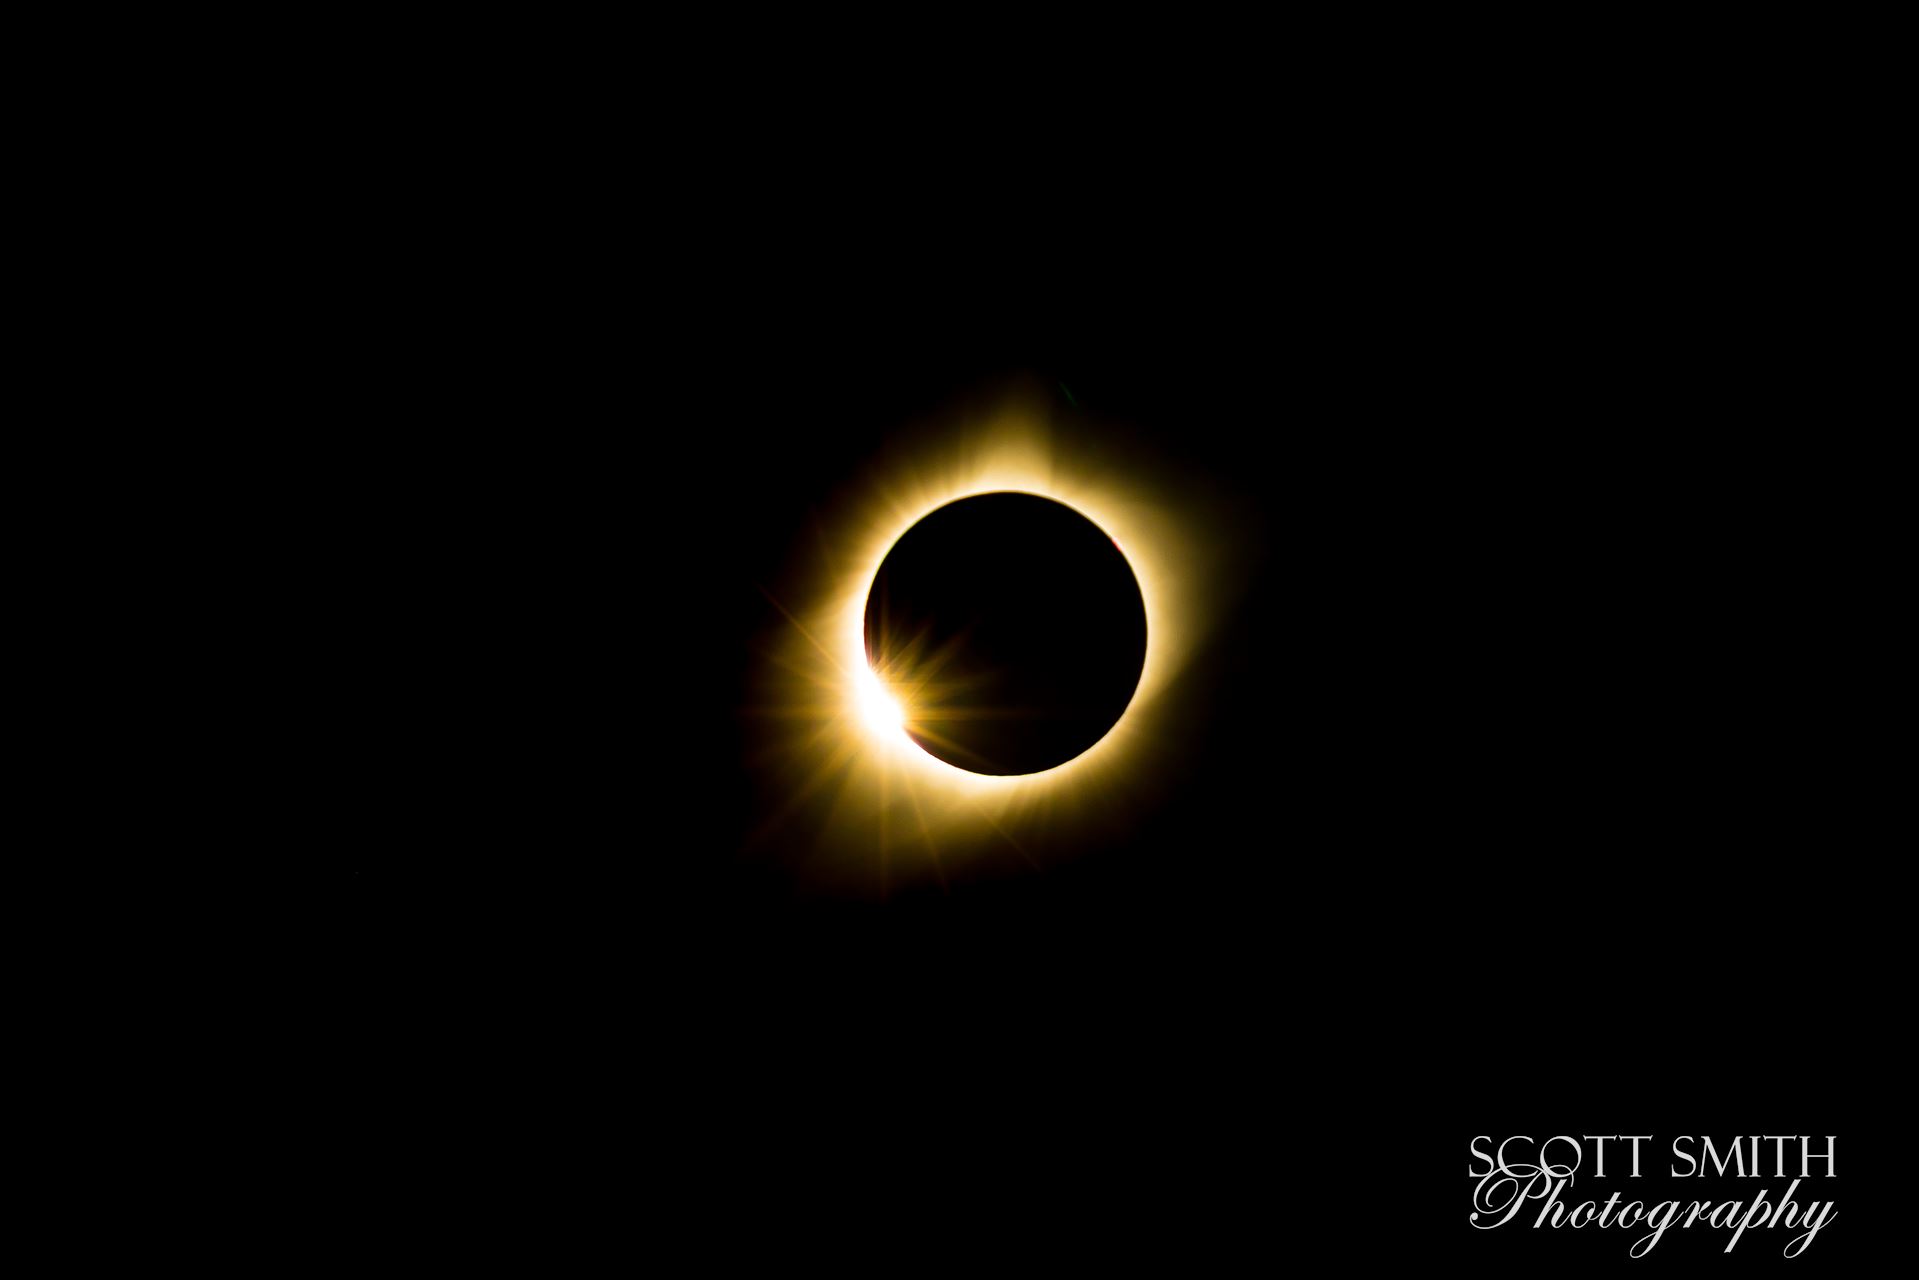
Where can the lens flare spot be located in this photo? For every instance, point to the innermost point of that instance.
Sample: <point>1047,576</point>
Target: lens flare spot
<point>880,711</point>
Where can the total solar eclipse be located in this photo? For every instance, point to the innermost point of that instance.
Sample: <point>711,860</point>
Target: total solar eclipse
<point>1010,628</point>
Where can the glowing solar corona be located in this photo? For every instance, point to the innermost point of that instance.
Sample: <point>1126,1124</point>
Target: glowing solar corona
<point>865,805</point>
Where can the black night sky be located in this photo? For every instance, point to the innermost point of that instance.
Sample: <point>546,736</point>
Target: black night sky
<point>1511,797</point>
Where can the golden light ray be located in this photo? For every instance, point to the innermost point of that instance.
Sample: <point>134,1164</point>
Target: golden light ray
<point>829,715</point>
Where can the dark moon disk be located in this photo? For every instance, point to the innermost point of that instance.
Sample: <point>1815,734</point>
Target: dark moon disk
<point>1012,629</point>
